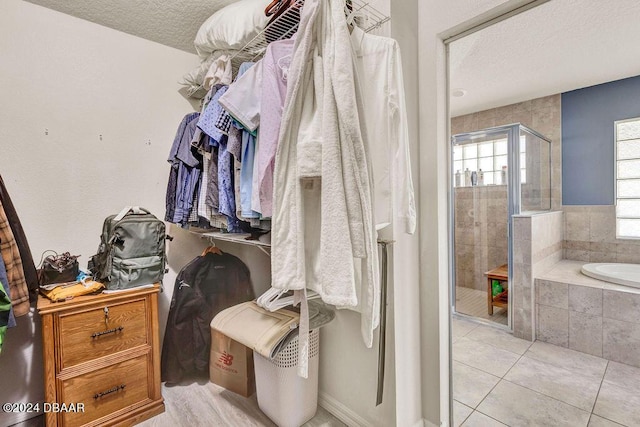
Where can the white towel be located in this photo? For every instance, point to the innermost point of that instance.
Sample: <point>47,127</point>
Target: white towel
<point>323,226</point>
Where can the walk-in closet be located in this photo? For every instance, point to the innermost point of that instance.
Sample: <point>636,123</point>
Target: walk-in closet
<point>202,169</point>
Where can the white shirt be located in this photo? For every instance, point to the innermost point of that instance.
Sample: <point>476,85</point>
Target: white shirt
<point>379,69</point>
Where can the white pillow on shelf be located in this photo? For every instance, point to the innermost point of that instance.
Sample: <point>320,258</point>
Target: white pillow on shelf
<point>231,27</point>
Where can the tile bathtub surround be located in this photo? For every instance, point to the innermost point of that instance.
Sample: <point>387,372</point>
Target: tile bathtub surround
<point>621,306</point>
<point>585,300</point>
<point>581,333</point>
<point>552,294</point>
<point>588,315</point>
<point>553,325</point>
<point>621,341</point>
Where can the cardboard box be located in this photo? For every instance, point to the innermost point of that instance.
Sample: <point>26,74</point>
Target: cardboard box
<point>231,365</point>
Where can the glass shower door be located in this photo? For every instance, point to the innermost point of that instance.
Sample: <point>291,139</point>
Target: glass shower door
<point>480,215</point>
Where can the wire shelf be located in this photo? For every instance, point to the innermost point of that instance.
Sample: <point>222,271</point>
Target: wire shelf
<point>240,238</point>
<point>364,15</point>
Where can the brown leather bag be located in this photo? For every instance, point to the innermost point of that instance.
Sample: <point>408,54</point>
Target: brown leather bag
<point>58,268</point>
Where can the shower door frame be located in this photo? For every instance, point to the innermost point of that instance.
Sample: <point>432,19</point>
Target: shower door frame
<point>513,206</point>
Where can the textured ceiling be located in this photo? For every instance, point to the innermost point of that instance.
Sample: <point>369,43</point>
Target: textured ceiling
<point>559,46</point>
<point>170,22</point>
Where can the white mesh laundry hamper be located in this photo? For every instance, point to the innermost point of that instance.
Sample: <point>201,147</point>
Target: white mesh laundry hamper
<point>287,399</point>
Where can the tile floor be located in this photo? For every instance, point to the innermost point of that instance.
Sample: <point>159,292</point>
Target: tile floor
<point>473,302</point>
<point>501,380</point>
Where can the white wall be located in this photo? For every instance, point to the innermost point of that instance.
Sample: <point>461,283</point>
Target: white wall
<point>349,370</point>
<point>77,80</point>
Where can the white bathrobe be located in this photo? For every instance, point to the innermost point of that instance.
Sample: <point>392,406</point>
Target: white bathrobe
<point>322,225</point>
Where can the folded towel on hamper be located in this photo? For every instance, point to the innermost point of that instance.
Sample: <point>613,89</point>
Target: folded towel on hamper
<point>264,331</point>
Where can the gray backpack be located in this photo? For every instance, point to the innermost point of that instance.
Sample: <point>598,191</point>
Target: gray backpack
<point>131,251</point>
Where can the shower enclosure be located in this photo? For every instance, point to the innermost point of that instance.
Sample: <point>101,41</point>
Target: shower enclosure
<point>496,173</point>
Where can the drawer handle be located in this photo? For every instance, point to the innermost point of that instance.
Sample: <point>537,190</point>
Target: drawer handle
<point>110,331</point>
<point>111,390</point>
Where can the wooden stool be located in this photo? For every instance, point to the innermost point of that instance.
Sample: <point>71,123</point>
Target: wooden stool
<point>502,299</point>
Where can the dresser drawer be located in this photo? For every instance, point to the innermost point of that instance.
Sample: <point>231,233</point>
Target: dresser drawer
<point>106,390</point>
<point>101,331</point>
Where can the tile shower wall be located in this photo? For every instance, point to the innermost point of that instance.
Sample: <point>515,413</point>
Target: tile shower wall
<point>531,257</point>
<point>481,238</point>
<point>590,236</point>
<point>589,230</point>
<point>541,114</point>
<point>480,233</point>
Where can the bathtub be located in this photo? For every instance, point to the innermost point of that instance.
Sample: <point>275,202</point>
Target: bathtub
<point>622,274</point>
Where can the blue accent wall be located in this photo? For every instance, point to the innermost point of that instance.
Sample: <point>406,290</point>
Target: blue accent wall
<point>588,144</point>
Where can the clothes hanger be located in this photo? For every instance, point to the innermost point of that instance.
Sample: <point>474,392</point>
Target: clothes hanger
<point>276,7</point>
<point>350,13</point>
<point>213,249</point>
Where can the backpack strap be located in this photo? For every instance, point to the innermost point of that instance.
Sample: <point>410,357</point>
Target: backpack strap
<point>136,210</point>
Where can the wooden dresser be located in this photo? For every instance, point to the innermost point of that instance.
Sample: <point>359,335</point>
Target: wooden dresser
<point>102,351</point>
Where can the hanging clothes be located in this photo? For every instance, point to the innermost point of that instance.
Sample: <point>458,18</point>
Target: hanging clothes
<point>189,173</point>
<point>257,99</point>
<point>247,157</point>
<point>207,213</point>
<point>210,193</point>
<point>242,103</point>
<point>379,72</point>
<point>13,264</point>
<point>216,123</point>
<point>172,185</point>
<point>213,192</point>
<point>5,313</point>
<point>323,229</point>
<point>28,266</point>
<point>211,114</point>
<point>383,111</point>
<point>203,288</point>
<point>11,321</point>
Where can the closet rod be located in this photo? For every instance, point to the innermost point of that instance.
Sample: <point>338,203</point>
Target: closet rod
<point>238,238</point>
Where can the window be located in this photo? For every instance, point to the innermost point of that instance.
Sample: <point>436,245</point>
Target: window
<point>488,156</point>
<point>628,179</point>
